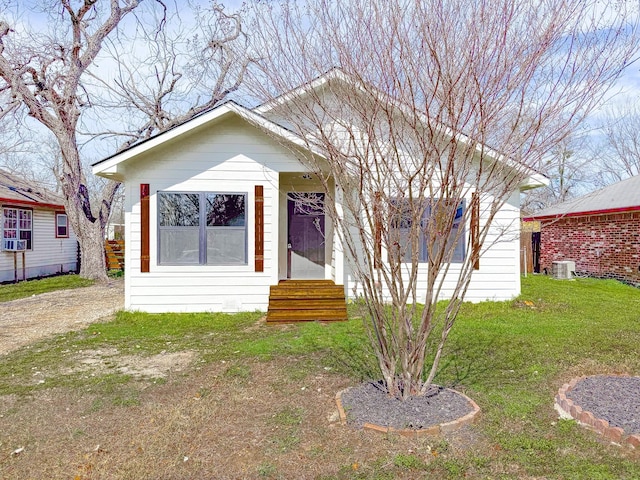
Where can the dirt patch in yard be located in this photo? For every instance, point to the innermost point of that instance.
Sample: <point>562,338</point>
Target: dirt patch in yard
<point>100,362</point>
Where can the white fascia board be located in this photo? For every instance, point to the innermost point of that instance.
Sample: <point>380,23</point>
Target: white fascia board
<point>302,90</point>
<point>534,181</point>
<point>109,165</point>
<point>111,172</point>
<point>281,132</point>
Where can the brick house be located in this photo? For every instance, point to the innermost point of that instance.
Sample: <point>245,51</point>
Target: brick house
<point>599,231</point>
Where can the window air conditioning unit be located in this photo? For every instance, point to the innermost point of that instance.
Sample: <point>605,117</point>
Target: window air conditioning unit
<point>563,270</point>
<point>14,245</point>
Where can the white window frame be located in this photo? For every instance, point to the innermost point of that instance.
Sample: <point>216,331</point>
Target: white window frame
<point>15,226</point>
<point>66,225</point>
<point>203,230</point>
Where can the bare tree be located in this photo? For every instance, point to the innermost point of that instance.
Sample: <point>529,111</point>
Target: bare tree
<point>183,66</point>
<point>618,149</point>
<point>58,71</point>
<point>437,114</point>
<point>571,172</point>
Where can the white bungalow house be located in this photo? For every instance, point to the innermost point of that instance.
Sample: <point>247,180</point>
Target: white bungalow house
<point>212,224</point>
<point>36,238</point>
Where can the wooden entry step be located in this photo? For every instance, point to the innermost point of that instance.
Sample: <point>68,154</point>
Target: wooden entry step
<point>114,254</point>
<point>306,301</point>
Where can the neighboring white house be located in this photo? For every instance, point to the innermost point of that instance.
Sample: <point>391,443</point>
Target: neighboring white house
<point>212,219</point>
<point>36,238</point>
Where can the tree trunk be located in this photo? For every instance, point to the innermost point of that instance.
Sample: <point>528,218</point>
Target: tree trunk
<point>92,258</point>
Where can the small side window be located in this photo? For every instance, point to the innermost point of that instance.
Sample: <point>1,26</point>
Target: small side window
<point>62,225</point>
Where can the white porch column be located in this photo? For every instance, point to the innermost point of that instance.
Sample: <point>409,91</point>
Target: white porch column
<point>338,249</point>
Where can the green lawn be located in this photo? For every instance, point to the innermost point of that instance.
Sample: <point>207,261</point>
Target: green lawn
<point>13,291</point>
<point>510,357</point>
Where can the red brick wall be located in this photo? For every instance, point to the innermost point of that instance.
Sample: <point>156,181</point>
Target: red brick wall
<point>601,245</point>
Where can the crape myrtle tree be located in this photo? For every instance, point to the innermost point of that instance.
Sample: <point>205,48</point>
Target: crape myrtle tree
<point>435,114</point>
<point>121,70</point>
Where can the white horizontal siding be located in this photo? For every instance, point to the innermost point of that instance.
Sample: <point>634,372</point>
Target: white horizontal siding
<point>49,255</point>
<point>232,157</point>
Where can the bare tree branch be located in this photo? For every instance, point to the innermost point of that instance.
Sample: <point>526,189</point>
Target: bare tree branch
<point>178,74</point>
<point>619,148</point>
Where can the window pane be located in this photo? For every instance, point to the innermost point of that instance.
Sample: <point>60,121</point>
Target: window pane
<point>179,246</point>
<point>26,235</point>
<point>225,210</point>
<point>403,214</point>
<point>61,225</point>
<point>459,247</point>
<point>179,209</point>
<point>10,220</point>
<point>458,225</point>
<point>405,244</point>
<point>25,219</point>
<point>402,221</point>
<point>226,246</point>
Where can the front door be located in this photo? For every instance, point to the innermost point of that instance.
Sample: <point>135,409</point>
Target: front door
<point>306,242</point>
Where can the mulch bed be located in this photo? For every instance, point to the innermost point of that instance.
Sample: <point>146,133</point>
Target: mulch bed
<point>615,399</point>
<point>369,403</point>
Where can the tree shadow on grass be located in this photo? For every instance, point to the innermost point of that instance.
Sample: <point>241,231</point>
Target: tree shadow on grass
<point>355,360</point>
<point>467,363</point>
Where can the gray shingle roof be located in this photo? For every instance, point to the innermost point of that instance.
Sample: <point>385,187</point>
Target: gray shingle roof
<point>16,189</point>
<point>617,197</point>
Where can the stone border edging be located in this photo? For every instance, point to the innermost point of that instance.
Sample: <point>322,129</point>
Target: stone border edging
<point>568,409</point>
<point>433,430</point>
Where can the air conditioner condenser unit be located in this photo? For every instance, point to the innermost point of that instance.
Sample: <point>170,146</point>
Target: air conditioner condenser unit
<point>563,270</point>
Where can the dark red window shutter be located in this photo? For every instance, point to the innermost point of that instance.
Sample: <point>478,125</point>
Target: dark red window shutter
<point>475,230</point>
<point>259,228</point>
<point>144,227</point>
<point>377,227</point>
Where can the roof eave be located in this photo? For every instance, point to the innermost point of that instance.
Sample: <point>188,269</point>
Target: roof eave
<point>586,213</point>
<point>534,180</point>
<point>317,82</point>
<point>28,203</point>
<point>108,167</point>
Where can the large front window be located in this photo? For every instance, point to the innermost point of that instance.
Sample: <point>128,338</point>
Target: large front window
<point>429,235</point>
<point>17,229</point>
<point>203,228</point>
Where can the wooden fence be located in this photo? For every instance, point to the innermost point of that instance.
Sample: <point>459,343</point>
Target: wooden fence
<point>530,247</point>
